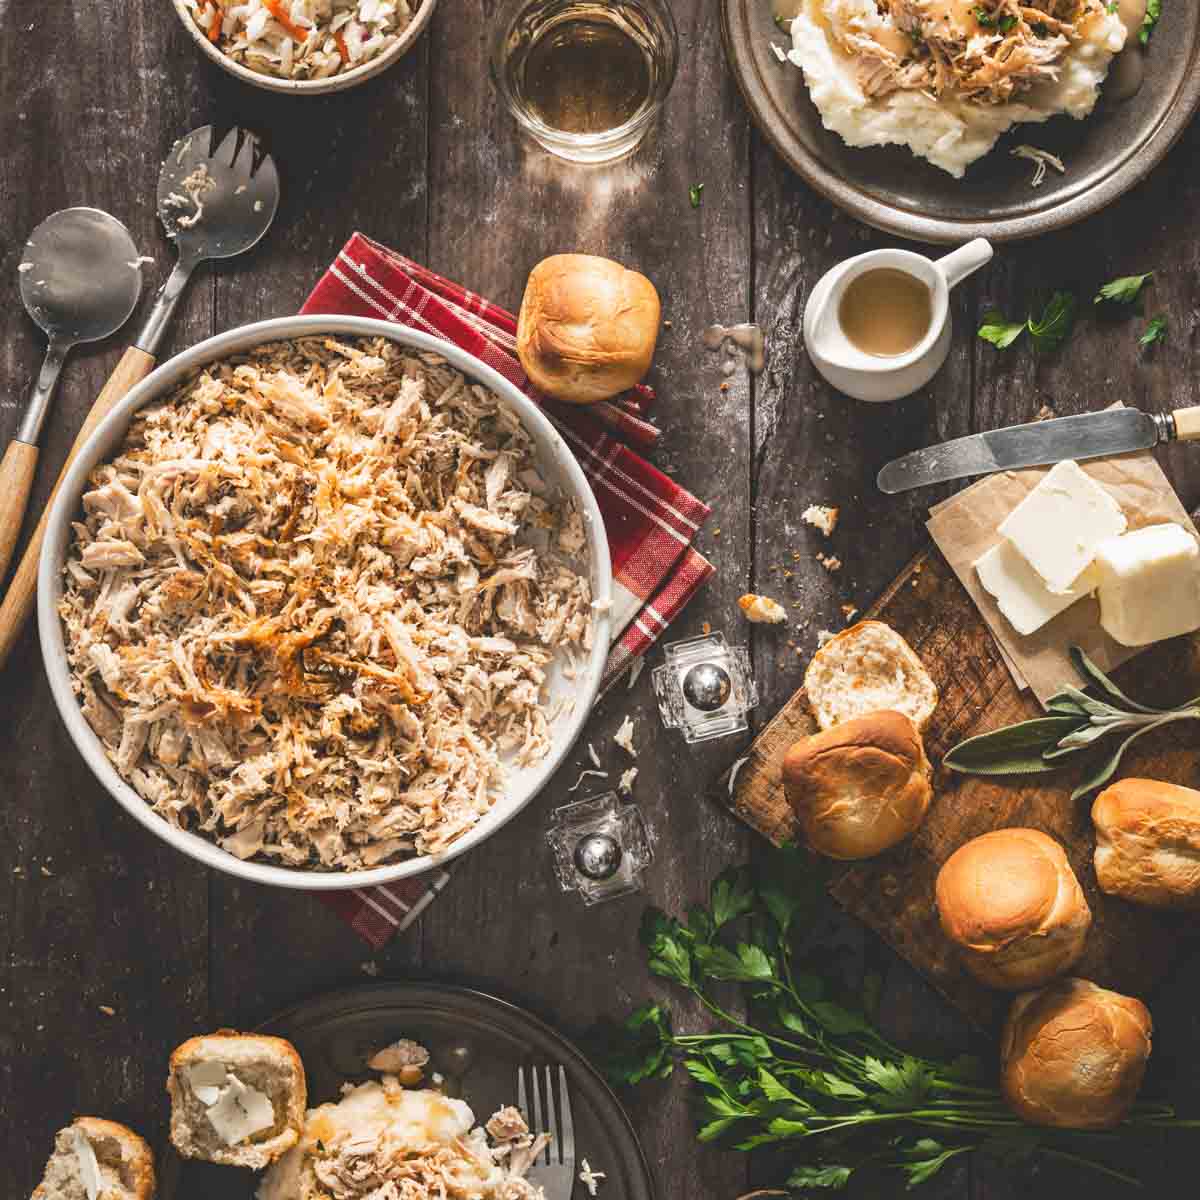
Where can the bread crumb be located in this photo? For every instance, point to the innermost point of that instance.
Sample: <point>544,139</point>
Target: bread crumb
<point>108,1010</point>
<point>822,517</point>
<point>761,609</point>
<point>1045,413</point>
<point>705,628</point>
<point>666,324</point>
<point>849,612</point>
<point>830,562</point>
<point>624,737</point>
<point>823,636</point>
<point>625,783</point>
<point>369,968</point>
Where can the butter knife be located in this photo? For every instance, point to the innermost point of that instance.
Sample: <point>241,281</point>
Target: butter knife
<point>1088,435</point>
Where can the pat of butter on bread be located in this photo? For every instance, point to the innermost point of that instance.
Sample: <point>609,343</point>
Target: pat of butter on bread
<point>1021,594</point>
<point>1058,526</point>
<point>1149,585</point>
<point>89,1168</point>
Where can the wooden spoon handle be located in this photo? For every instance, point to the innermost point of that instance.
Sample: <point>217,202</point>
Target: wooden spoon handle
<point>134,366</point>
<point>16,482</point>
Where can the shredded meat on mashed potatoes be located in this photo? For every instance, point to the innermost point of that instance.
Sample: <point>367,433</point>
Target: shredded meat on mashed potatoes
<point>983,50</point>
<point>310,604</point>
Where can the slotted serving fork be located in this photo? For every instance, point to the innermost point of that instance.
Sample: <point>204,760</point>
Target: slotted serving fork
<point>554,1168</point>
<point>215,199</point>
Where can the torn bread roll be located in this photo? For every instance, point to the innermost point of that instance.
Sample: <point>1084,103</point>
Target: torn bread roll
<point>1073,1055</point>
<point>867,668</point>
<point>1148,843</point>
<point>1011,904</point>
<point>861,787</point>
<point>587,327</point>
<point>95,1159</point>
<point>236,1098</point>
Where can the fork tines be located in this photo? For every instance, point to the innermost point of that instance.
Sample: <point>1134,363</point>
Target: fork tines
<point>559,1125</point>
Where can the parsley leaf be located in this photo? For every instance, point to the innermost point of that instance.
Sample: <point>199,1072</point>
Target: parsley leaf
<point>989,21</point>
<point>998,331</point>
<point>695,192</point>
<point>930,1158</point>
<point>1153,12</point>
<point>905,1084</point>
<point>1124,290</point>
<point>827,1176</point>
<point>731,896</point>
<point>1156,331</point>
<point>1054,326</point>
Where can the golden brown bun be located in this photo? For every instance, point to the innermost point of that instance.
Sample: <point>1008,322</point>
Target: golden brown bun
<point>861,787</point>
<point>116,1147</point>
<point>1073,1055</point>
<point>1148,843</point>
<point>270,1064</point>
<point>1012,905</point>
<point>587,328</point>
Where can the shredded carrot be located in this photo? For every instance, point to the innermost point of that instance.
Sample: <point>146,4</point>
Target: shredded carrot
<point>214,26</point>
<point>276,9</point>
<point>341,45</point>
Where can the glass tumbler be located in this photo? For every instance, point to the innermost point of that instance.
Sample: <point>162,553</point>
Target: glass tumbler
<point>584,78</point>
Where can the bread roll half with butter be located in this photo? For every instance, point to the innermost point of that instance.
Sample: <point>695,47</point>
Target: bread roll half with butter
<point>587,327</point>
<point>1011,904</point>
<point>236,1098</point>
<point>95,1159</point>
<point>859,788</point>
<point>1148,843</point>
<point>1073,1055</point>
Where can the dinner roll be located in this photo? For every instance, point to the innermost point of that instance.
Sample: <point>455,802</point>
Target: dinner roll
<point>867,668</point>
<point>1012,905</point>
<point>93,1156</point>
<point>587,327</point>
<point>1073,1055</point>
<point>1148,843</point>
<point>861,787</point>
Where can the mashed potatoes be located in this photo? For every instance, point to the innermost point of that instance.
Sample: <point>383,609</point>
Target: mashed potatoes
<point>935,77</point>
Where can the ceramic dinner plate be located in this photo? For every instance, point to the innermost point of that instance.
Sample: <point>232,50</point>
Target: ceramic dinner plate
<point>476,1041</point>
<point>1115,148</point>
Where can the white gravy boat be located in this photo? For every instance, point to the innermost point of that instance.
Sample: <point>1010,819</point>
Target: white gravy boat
<point>874,377</point>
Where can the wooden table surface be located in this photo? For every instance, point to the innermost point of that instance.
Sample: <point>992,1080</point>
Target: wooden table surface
<point>98,914</point>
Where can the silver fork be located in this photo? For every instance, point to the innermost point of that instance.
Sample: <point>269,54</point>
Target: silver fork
<point>554,1168</point>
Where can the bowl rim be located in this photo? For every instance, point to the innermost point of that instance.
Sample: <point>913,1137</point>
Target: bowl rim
<point>57,537</point>
<point>310,87</point>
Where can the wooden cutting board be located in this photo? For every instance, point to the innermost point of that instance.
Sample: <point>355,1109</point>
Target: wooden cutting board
<point>1129,949</point>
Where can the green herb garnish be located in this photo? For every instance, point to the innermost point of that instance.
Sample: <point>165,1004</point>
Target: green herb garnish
<point>800,1066</point>
<point>1156,331</point>
<point>695,192</point>
<point>991,21</point>
<point>1047,331</point>
<point>1124,290</point>
<point>1077,722</point>
<point>1153,12</point>
<point>998,331</point>
<point>1054,326</point>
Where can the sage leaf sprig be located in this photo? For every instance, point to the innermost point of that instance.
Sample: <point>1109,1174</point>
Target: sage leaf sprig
<point>1076,722</point>
<point>797,1062</point>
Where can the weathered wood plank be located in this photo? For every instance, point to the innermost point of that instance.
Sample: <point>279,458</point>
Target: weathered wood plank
<point>498,206</point>
<point>96,910</point>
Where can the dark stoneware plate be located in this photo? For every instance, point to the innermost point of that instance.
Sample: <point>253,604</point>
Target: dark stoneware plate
<point>477,1042</point>
<point>889,188</point>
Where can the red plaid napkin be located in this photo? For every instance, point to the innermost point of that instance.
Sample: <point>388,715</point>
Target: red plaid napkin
<point>649,519</point>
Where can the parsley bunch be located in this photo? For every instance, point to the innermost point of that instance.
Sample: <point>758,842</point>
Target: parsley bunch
<point>806,1070</point>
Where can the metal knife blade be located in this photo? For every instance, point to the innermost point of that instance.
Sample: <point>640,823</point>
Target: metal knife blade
<point>1088,435</point>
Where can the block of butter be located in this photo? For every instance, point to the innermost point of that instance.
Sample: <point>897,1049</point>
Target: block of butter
<point>1058,526</point>
<point>1148,584</point>
<point>1020,594</point>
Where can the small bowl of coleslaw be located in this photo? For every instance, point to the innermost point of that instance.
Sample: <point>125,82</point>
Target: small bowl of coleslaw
<point>306,47</point>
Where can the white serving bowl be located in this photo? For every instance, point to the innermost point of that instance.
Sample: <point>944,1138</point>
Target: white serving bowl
<point>309,87</point>
<point>557,466</point>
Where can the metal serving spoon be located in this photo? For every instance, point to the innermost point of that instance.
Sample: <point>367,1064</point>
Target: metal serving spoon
<point>215,200</point>
<point>80,279</point>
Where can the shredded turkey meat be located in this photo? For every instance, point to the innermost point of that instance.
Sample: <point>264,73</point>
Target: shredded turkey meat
<point>310,605</point>
<point>983,50</point>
